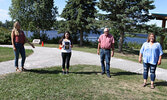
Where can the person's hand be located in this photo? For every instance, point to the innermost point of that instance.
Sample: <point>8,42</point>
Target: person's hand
<point>14,48</point>
<point>112,54</point>
<point>140,60</point>
<point>159,62</point>
<point>98,52</point>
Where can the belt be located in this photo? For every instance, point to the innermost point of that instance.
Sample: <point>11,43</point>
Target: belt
<point>105,49</point>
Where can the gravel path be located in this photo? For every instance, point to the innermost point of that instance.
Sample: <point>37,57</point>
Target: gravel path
<point>48,57</point>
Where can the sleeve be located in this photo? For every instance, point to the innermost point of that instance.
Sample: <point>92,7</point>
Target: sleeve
<point>142,48</point>
<point>160,50</point>
<point>112,41</point>
<point>99,40</point>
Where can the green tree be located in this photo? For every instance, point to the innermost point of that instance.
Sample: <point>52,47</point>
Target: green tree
<point>79,16</point>
<point>1,23</point>
<point>34,15</point>
<point>126,14</point>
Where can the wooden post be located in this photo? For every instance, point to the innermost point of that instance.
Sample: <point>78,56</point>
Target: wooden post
<point>163,36</point>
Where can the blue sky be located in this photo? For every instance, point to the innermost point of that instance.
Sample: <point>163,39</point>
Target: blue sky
<point>4,6</point>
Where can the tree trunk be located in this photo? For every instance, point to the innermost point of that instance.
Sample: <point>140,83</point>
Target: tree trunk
<point>121,40</point>
<point>81,38</point>
<point>162,40</point>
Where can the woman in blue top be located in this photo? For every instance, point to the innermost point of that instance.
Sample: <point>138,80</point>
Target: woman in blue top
<point>66,45</point>
<point>152,54</point>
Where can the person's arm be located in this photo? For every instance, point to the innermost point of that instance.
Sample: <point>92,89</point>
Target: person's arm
<point>71,44</point>
<point>98,49</point>
<point>12,40</point>
<point>112,54</point>
<point>140,58</point>
<point>159,61</point>
<point>160,55</point>
<point>26,40</point>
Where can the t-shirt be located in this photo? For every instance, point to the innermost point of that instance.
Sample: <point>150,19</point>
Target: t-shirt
<point>151,53</point>
<point>67,46</point>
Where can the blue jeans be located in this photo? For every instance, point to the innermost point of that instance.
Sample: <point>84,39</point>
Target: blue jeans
<point>152,71</point>
<point>19,49</point>
<point>105,54</point>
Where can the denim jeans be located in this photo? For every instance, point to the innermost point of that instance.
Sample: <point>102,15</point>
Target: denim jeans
<point>152,71</point>
<point>105,54</point>
<point>66,60</point>
<point>19,49</point>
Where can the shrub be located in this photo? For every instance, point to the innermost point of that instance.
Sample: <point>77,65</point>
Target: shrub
<point>133,45</point>
<point>5,36</point>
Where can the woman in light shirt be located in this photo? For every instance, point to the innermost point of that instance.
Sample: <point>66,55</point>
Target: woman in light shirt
<point>151,51</point>
<point>66,45</point>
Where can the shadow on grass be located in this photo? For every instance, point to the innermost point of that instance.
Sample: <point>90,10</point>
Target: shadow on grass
<point>161,83</point>
<point>41,71</point>
<point>124,73</point>
<point>86,73</point>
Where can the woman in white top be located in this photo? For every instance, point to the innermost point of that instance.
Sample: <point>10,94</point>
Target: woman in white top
<point>66,45</point>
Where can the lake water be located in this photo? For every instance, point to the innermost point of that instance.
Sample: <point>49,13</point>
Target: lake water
<point>94,37</point>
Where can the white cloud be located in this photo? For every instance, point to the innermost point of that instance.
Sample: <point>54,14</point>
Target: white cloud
<point>4,15</point>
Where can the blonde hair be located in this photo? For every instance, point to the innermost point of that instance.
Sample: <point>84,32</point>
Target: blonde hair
<point>16,32</point>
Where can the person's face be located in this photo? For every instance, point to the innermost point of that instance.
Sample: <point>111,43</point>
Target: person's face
<point>66,35</point>
<point>17,26</point>
<point>151,37</point>
<point>106,33</point>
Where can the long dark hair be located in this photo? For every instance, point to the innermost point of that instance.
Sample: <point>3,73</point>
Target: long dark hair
<point>148,38</point>
<point>63,37</point>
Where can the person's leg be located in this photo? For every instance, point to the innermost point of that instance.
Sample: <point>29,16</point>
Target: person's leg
<point>23,55</point>
<point>102,56</point>
<point>16,53</point>
<point>68,61</point>
<point>145,73</point>
<point>63,62</point>
<point>152,74</point>
<point>107,58</point>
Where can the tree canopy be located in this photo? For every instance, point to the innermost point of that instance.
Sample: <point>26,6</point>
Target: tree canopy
<point>79,16</point>
<point>34,14</point>
<point>126,14</point>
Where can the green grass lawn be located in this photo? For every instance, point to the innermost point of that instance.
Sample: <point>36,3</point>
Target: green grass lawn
<point>83,83</point>
<point>128,54</point>
<point>8,53</point>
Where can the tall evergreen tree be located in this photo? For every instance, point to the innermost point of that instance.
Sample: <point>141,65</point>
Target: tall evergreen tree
<point>79,16</point>
<point>126,14</point>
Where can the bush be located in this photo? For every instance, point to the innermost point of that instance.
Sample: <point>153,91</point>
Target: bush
<point>5,36</point>
<point>164,43</point>
<point>133,45</point>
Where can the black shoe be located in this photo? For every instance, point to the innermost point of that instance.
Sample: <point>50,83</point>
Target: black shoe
<point>63,72</point>
<point>108,75</point>
<point>67,72</point>
<point>102,73</point>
